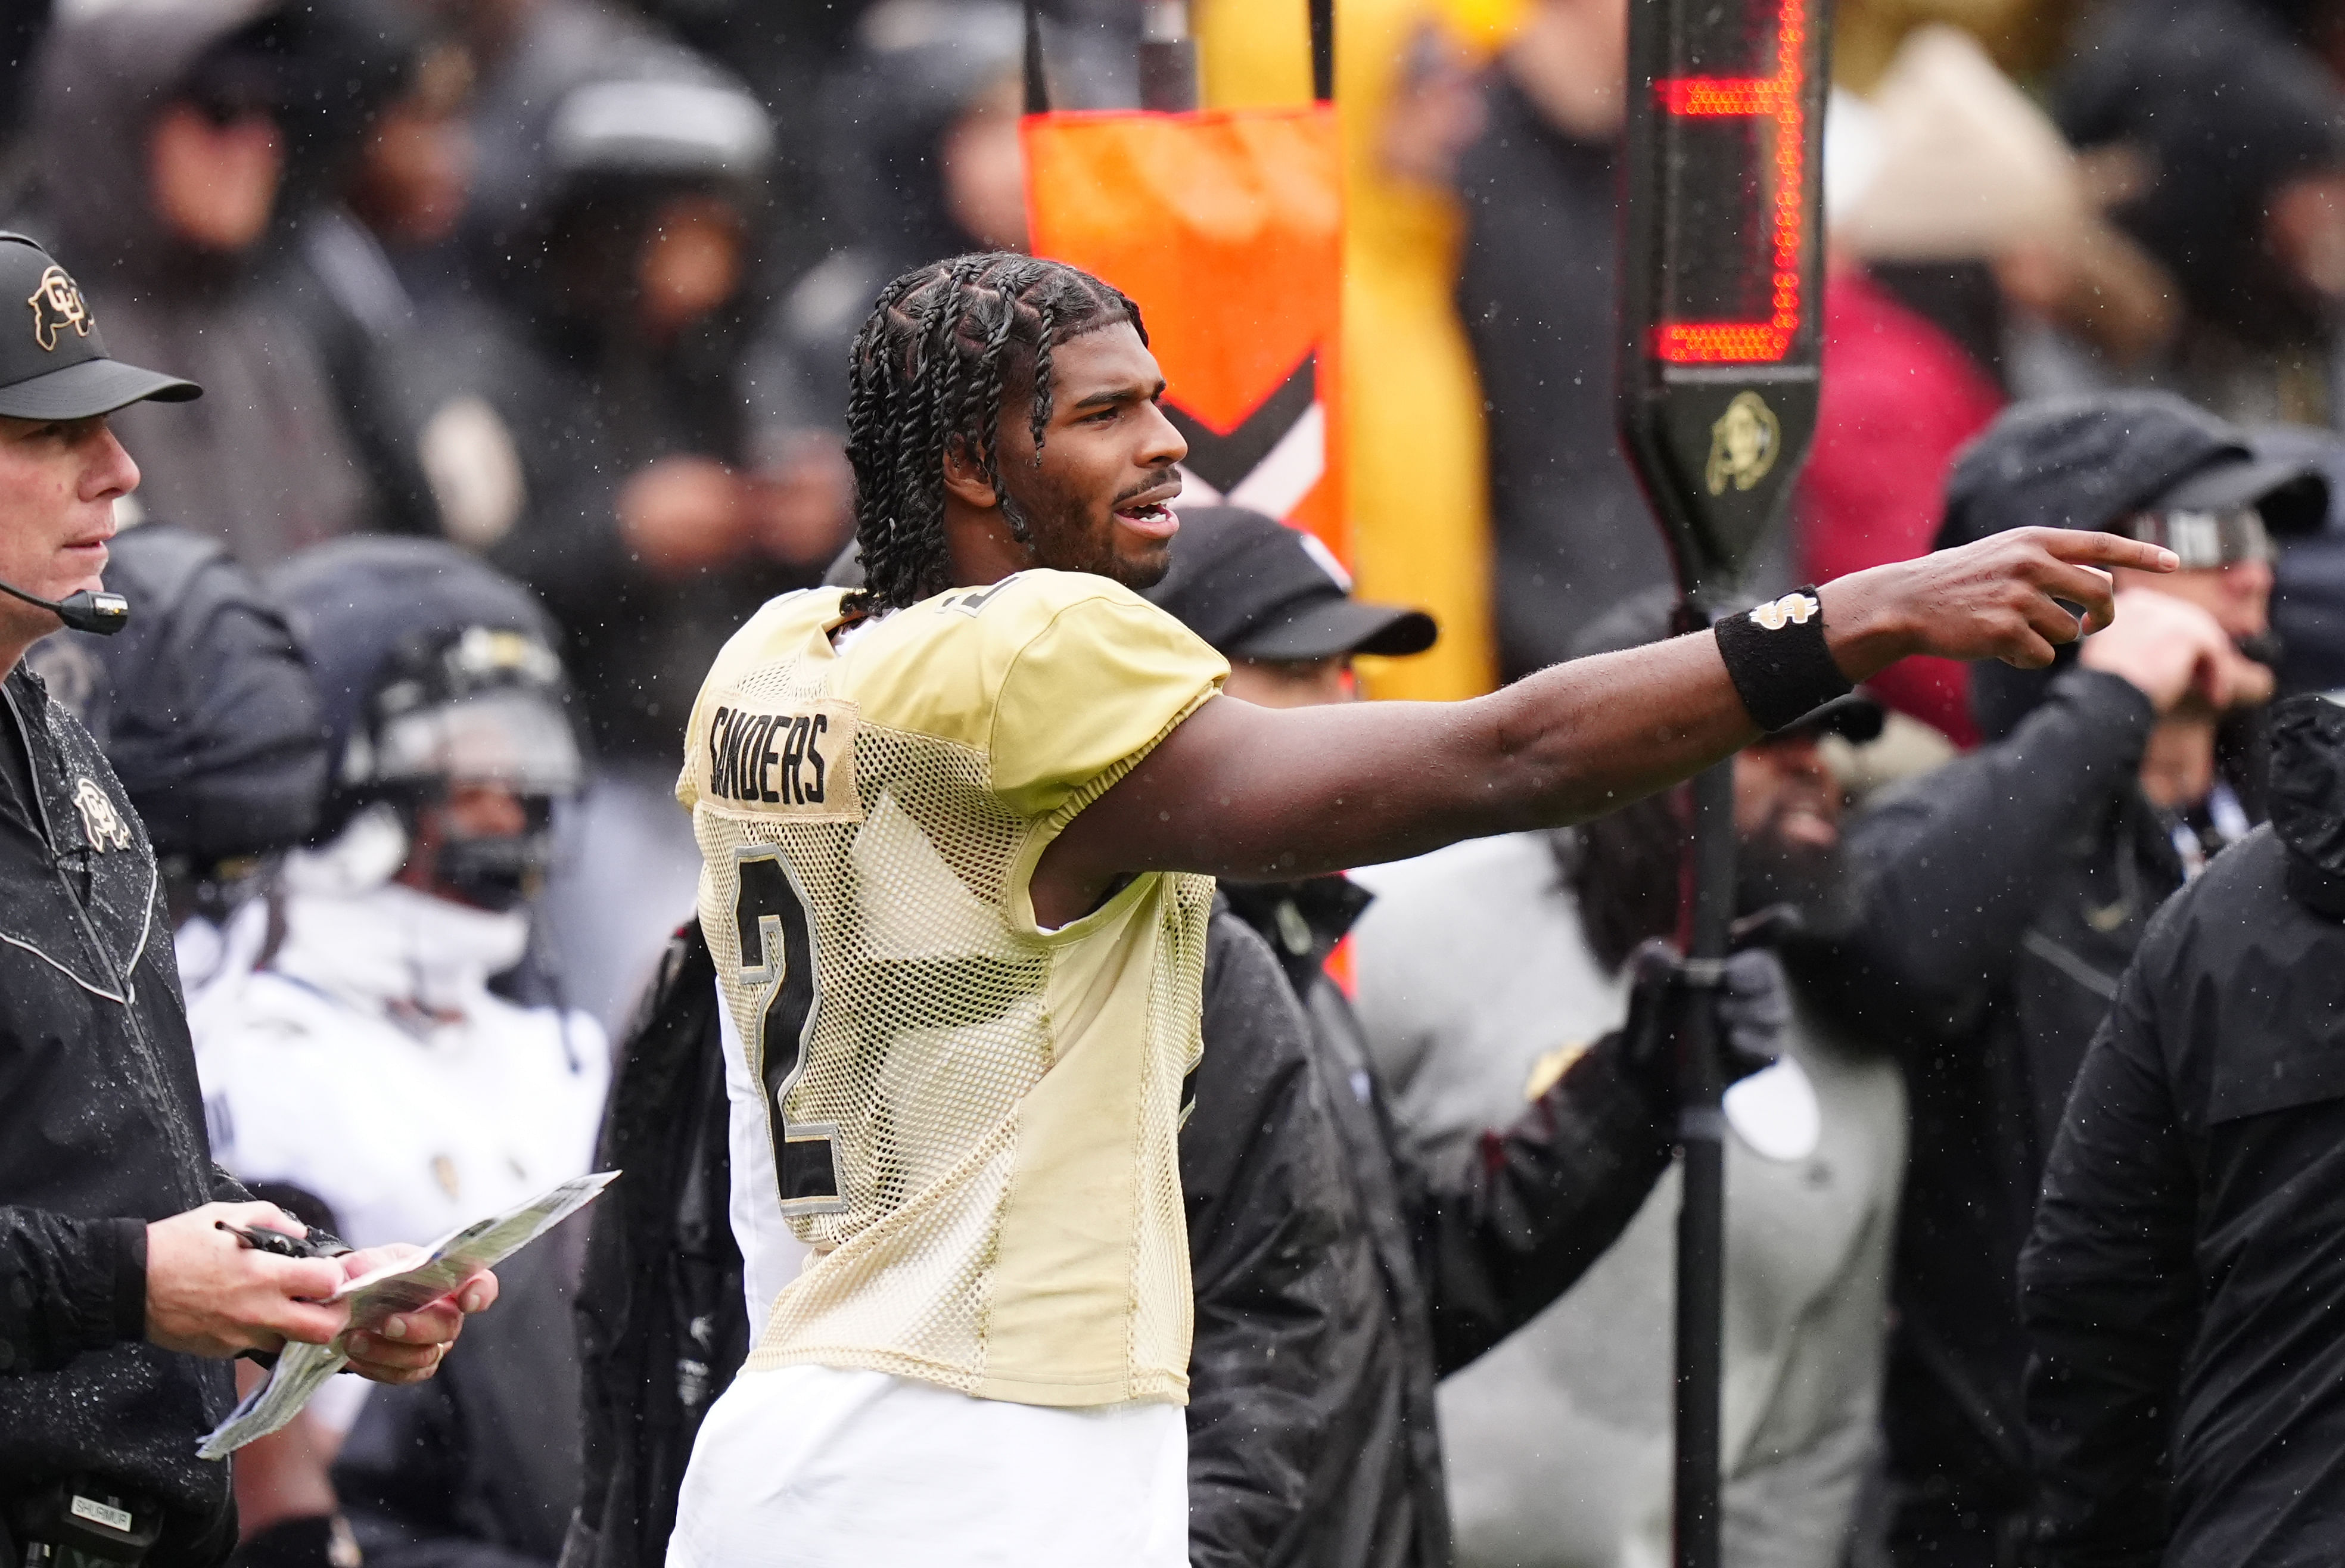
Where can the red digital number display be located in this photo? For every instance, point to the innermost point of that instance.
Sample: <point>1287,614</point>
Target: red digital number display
<point>1776,102</point>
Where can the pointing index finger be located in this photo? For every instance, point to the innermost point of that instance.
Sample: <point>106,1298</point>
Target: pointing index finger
<point>2081,546</point>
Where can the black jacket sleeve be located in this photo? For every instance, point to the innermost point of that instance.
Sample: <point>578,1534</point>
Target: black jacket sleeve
<point>1260,1182</point>
<point>2109,1295</point>
<point>1953,868</point>
<point>661,1325</point>
<point>1514,1225</point>
<point>67,1285</point>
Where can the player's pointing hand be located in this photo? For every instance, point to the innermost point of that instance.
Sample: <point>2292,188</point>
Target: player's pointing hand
<point>2002,597</point>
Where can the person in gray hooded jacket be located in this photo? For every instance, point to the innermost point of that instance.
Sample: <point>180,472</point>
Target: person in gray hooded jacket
<point>162,133</point>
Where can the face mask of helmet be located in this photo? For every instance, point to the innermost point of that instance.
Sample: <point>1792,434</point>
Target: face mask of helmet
<point>497,871</point>
<point>486,711</point>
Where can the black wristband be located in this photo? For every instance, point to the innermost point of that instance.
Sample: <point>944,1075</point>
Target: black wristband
<point>1777,657</point>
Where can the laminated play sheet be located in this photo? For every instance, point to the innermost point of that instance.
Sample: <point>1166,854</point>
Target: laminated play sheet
<point>390,1290</point>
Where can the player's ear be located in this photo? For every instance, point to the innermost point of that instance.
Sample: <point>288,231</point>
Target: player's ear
<point>965,478</point>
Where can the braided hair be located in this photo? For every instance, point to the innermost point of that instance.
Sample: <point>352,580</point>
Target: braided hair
<point>928,373</point>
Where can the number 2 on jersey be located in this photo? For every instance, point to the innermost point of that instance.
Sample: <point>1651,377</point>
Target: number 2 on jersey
<point>776,930</point>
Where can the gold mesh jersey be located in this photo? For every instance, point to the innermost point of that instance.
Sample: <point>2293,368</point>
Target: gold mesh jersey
<point>973,1119</point>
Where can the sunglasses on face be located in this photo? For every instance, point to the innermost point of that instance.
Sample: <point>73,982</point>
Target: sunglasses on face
<point>2204,539</point>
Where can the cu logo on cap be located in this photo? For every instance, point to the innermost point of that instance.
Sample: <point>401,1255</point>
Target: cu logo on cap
<point>57,304</point>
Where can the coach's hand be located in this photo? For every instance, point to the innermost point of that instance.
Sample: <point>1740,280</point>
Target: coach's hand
<point>208,1294</point>
<point>408,1347</point>
<point>1997,598</point>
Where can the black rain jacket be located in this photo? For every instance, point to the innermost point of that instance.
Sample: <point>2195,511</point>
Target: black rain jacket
<point>2000,898</point>
<point>661,1323</point>
<point>104,1134</point>
<point>2184,1281</point>
<point>1337,1280</point>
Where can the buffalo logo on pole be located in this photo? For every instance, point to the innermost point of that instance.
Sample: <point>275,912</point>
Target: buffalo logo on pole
<point>1742,444</point>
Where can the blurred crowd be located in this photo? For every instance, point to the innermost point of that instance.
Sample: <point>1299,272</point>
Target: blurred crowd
<point>524,329</point>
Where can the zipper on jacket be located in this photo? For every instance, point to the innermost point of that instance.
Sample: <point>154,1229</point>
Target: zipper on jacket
<point>107,970</point>
<point>194,1166</point>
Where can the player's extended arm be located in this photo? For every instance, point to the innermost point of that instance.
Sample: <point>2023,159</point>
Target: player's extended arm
<point>1251,793</point>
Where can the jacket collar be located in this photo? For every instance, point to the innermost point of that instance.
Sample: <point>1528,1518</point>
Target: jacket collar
<point>1302,921</point>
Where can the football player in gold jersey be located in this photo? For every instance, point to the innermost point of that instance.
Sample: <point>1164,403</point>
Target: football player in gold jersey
<point>959,829</point>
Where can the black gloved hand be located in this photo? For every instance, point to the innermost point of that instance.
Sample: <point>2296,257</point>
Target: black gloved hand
<point>1753,1003</point>
<point>1754,1008</point>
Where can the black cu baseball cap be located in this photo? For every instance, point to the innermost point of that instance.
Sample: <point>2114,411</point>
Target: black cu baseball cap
<point>2103,461</point>
<point>1256,589</point>
<point>53,363</point>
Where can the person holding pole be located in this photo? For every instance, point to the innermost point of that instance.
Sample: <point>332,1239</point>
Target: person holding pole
<point>958,831</point>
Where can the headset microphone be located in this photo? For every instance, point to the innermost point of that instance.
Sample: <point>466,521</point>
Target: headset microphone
<point>83,611</point>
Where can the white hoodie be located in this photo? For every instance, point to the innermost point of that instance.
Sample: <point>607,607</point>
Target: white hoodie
<point>366,1062</point>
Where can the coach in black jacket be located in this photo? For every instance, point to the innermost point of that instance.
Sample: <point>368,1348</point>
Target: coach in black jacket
<point>114,1283</point>
<point>106,1132</point>
<point>2186,1280</point>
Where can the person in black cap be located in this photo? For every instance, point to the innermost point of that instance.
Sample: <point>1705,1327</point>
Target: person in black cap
<point>120,1298</point>
<point>2002,896</point>
<point>1277,605</point>
<point>1338,1274</point>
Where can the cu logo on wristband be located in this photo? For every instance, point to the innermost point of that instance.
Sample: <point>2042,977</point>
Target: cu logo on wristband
<point>1791,609</point>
